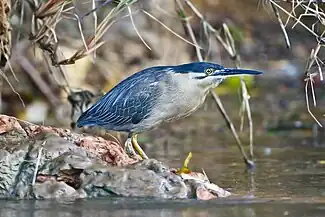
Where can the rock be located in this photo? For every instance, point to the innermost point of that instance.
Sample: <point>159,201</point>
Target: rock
<point>44,162</point>
<point>53,189</point>
<point>148,178</point>
<point>9,168</point>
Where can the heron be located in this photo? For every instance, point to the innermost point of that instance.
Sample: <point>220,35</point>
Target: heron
<point>154,96</point>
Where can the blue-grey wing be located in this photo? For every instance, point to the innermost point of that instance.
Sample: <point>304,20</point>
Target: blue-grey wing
<point>127,104</point>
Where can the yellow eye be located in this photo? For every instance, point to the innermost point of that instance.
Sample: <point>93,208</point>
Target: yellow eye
<point>209,71</point>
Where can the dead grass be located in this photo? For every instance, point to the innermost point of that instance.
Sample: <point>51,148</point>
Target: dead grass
<point>5,34</point>
<point>309,15</point>
<point>44,19</point>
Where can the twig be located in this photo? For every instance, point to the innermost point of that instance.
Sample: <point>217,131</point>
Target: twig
<point>307,104</point>
<point>301,23</point>
<point>4,76</point>
<point>245,95</point>
<point>276,12</point>
<point>170,30</point>
<point>38,162</point>
<point>312,58</point>
<point>81,31</point>
<point>205,175</point>
<point>246,98</point>
<point>312,90</point>
<point>21,20</point>
<point>92,43</point>
<point>95,23</point>
<point>248,162</point>
<point>191,33</point>
<point>215,96</point>
<point>135,28</point>
<point>311,9</point>
<point>230,48</point>
<point>97,8</point>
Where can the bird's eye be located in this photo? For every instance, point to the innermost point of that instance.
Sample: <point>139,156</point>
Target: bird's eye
<point>209,71</point>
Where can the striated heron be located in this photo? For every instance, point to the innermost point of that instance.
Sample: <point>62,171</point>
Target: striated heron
<point>154,96</point>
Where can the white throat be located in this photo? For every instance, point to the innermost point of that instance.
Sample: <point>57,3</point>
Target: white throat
<point>211,82</point>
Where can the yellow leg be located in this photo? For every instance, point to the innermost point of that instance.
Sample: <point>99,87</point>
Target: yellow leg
<point>185,168</point>
<point>137,147</point>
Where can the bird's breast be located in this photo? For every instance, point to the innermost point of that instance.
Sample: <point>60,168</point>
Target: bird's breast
<point>179,99</point>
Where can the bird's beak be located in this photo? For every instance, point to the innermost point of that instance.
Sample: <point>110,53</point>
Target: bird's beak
<point>228,72</point>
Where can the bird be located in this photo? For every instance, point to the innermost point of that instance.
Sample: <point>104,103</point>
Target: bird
<point>156,95</point>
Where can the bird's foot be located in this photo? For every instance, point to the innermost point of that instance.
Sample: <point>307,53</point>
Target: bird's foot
<point>137,147</point>
<point>185,168</point>
<point>128,148</point>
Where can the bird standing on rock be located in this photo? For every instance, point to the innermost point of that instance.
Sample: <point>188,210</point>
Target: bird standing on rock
<point>154,96</point>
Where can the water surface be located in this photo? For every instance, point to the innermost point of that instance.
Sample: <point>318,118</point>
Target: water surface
<point>286,182</point>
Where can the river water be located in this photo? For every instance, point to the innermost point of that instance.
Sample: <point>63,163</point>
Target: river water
<point>287,181</point>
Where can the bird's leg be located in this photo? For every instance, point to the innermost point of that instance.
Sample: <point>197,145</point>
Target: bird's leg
<point>185,168</point>
<point>128,148</point>
<point>137,147</point>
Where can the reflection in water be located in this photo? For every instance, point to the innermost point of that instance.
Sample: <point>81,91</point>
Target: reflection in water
<point>287,182</point>
<point>251,182</point>
<point>143,208</point>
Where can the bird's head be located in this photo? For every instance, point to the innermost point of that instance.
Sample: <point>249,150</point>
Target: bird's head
<point>209,75</point>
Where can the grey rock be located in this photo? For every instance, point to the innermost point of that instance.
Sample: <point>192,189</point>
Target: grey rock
<point>53,189</point>
<point>43,163</point>
<point>11,162</point>
<point>145,179</point>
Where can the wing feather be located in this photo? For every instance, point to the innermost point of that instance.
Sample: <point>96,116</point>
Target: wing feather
<point>126,104</point>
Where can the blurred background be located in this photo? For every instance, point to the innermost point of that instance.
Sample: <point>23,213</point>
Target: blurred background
<point>278,98</point>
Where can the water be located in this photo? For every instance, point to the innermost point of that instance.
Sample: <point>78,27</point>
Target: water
<point>288,181</point>
<point>123,208</point>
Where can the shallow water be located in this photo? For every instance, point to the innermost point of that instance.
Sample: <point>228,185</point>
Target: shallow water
<point>286,182</point>
<point>122,208</point>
